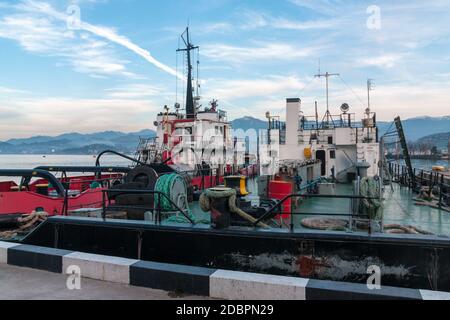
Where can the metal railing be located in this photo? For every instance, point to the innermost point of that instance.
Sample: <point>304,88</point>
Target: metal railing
<point>156,208</point>
<point>423,178</point>
<point>277,209</point>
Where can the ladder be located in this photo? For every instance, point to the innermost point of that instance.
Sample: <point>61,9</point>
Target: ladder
<point>360,153</point>
<point>404,145</point>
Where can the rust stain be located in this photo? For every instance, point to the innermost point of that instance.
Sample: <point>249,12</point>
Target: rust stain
<point>309,265</point>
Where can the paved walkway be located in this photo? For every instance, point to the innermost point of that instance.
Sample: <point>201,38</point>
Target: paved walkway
<point>28,284</point>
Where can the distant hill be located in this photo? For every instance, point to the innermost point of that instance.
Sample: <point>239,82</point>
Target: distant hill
<point>249,123</point>
<point>76,143</point>
<point>92,149</point>
<point>440,140</point>
<point>417,128</point>
<point>4,146</point>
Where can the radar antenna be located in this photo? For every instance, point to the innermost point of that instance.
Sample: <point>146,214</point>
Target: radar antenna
<point>327,76</point>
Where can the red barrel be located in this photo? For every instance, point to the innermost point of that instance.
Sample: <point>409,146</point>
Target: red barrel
<point>280,190</point>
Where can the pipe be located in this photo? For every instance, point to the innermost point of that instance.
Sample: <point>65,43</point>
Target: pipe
<point>35,173</point>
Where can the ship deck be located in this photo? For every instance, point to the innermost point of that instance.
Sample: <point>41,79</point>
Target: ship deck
<point>399,208</point>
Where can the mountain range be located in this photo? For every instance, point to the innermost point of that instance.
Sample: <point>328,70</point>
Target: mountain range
<point>440,140</point>
<point>77,143</point>
<point>435,130</point>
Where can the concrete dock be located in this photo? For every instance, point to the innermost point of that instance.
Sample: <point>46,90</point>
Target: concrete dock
<point>29,284</point>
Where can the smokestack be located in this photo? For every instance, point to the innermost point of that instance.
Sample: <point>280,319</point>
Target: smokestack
<point>293,107</point>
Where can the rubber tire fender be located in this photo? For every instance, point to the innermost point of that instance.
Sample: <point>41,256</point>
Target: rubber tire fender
<point>143,174</point>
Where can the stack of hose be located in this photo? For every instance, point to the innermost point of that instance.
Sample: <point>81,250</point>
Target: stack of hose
<point>165,184</point>
<point>223,193</point>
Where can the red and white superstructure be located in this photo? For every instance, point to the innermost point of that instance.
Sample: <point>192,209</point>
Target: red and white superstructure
<point>194,136</point>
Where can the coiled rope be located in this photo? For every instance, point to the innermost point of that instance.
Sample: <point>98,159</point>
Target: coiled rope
<point>26,223</point>
<point>165,185</point>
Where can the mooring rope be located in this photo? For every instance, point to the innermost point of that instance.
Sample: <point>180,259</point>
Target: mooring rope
<point>26,223</point>
<point>223,193</point>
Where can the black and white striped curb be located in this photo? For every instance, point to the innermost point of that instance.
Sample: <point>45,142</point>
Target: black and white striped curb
<point>214,283</point>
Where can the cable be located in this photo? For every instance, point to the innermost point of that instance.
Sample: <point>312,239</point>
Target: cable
<point>307,86</point>
<point>354,93</point>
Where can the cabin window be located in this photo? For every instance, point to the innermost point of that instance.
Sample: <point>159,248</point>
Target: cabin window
<point>333,154</point>
<point>330,140</point>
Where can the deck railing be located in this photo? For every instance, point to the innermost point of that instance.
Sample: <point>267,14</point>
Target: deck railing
<point>156,209</point>
<point>437,181</point>
<point>277,209</point>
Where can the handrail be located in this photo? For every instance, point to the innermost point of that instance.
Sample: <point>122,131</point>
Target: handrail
<point>57,185</point>
<point>97,161</point>
<point>422,177</point>
<point>90,169</point>
<point>296,195</point>
<point>159,193</point>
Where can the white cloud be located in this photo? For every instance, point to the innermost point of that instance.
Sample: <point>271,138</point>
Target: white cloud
<point>5,90</point>
<point>224,89</point>
<point>282,23</point>
<point>388,99</point>
<point>39,28</point>
<point>134,91</point>
<point>217,27</point>
<point>270,51</point>
<point>382,61</point>
<point>326,7</point>
<point>411,100</point>
<point>255,19</point>
<point>59,114</point>
<point>103,32</point>
<point>42,35</point>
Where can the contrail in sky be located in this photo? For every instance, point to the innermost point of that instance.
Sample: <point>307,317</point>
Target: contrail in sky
<point>106,33</point>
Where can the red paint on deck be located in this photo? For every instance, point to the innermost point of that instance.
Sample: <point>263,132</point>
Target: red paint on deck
<point>26,201</point>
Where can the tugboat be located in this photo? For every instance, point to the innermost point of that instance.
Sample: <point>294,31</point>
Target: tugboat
<point>196,144</point>
<point>328,222</point>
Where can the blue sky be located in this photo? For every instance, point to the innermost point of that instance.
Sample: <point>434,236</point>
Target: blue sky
<point>116,69</point>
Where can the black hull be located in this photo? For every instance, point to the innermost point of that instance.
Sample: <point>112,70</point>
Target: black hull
<point>405,261</point>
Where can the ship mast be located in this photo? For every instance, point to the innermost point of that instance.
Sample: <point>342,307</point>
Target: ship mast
<point>369,88</point>
<point>327,76</point>
<point>190,106</point>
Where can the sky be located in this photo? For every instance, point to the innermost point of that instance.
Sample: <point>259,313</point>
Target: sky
<point>95,65</point>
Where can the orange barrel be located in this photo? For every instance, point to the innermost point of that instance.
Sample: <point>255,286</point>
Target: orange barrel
<point>279,190</point>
